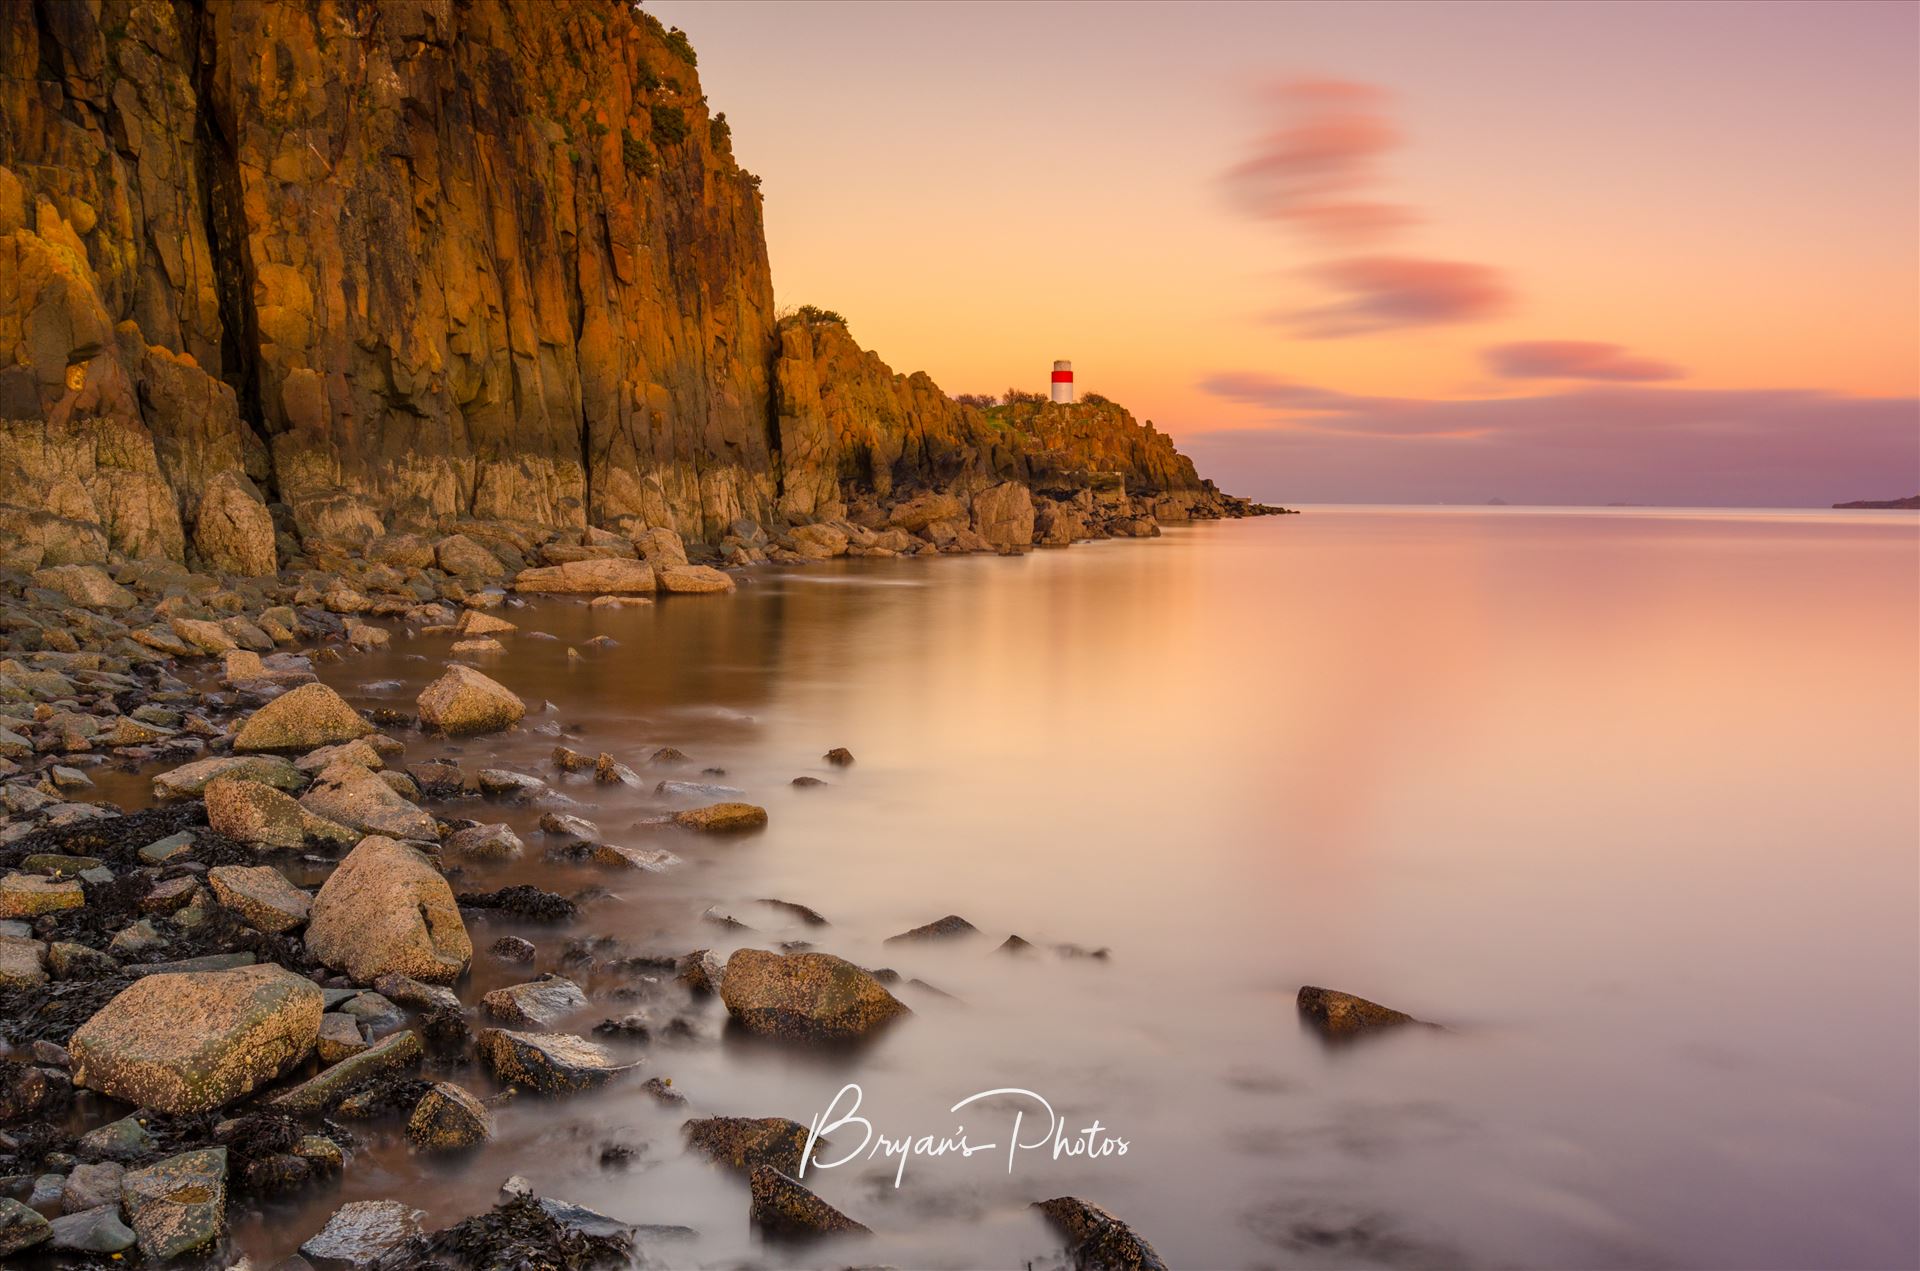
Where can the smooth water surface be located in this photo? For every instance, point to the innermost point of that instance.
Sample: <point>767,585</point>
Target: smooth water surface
<point>1626,799</point>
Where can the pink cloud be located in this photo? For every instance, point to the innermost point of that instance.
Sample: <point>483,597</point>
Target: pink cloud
<point>1574,360</point>
<point>1593,444</point>
<point>1385,293</point>
<point>1322,151</point>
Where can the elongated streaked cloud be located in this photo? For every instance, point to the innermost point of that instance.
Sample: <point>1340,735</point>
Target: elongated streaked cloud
<point>1313,166</point>
<point>1593,444</point>
<point>1385,293</point>
<point>1574,360</point>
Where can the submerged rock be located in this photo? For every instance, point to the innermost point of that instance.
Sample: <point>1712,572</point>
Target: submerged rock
<point>783,1207</point>
<point>179,1204</point>
<point>805,996</point>
<point>190,1042</point>
<point>464,701</point>
<point>541,1003</point>
<point>387,909</point>
<point>552,1063</point>
<point>1098,1241</point>
<point>495,842</point>
<point>94,1230</point>
<point>947,928</point>
<point>744,1143</point>
<point>722,818</point>
<point>1340,1015</point>
<point>303,719</point>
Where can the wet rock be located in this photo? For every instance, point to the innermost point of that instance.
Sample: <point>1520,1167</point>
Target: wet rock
<point>605,577</point>
<point>178,1205</point>
<point>303,719</point>
<point>520,1232</point>
<point>807,783</point>
<point>260,816</point>
<point>20,1227</point>
<point>135,939</point>
<point>1096,1239</point>
<point>261,895</point>
<point>23,962</point>
<point>204,636</point>
<point>513,949</point>
<point>701,972</point>
<point>552,1063</point>
<point>26,1090</point>
<point>359,1232</point>
<point>411,992</point>
<point>695,790</point>
<point>30,895</point>
<point>722,818</point>
<point>387,909</point>
<point>839,757</point>
<point>609,771</point>
<point>340,1037</point>
<point>1015,944</point>
<point>359,752</point>
<point>353,797</point>
<point>171,896</point>
<point>190,780</point>
<point>947,928</point>
<point>375,1011</point>
<point>474,623</point>
<point>464,701</point>
<point>783,1207</point>
<point>540,1003</point>
<point>566,759</point>
<point>448,1118</point>
<point>747,1143</point>
<point>438,779</point>
<point>384,1058</point>
<point>94,1230</point>
<point>92,1185</point>
<point>190,1042</point>
<point>646,860</point>
<point>694,579</point>
<point>805,996</point>
<point>1339,1016</point>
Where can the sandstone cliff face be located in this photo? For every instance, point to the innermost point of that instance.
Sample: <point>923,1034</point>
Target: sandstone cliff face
<point>404,265</point>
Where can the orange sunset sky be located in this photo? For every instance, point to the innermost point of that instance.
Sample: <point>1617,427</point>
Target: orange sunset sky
<point>1427,252</point>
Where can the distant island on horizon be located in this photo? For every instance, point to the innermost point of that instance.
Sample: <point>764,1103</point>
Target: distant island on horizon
<point>1909,504</point>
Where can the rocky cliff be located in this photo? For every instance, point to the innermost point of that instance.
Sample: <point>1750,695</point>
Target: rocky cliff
<point>283,272</point>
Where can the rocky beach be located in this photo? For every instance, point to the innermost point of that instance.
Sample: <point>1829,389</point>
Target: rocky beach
<point>330,326</point>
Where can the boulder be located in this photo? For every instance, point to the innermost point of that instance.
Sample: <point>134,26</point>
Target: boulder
<point>745,1143</point>
<point>1339,1016</point>
<point>359,1232</point>
<point>387,909</point>
<point>475,623</point>
<point>722,818</point>
<point>540,1003</point>
<point>551,1063</point>
<point>783,1207</point>
<point>300,720</point>
<point>484,843</point>
<point>96,1230</point>
<point>463,558</point>
<point>234,531</point>
<point>91,1185</point>
<point>85,585</point>
<point>448,1117</point>
<point>1095,1238</point>
<point>30,895</point>
<point>805,996</point>
<point>465,701</point>
<point>190,1042</point>
<point>694,579</point>
<point>1003,515</point>
<point>260,816</point>
<point>603,577</point>
<point>350,795</point>
<point>261,895</point>
<point>23,962</point>
<point>192,779</point>
<point>819,542</point>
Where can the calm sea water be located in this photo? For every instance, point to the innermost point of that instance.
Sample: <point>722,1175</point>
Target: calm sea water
<point>1627,799</point>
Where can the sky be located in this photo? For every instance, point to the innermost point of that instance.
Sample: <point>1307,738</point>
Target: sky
<point>1567,253</point>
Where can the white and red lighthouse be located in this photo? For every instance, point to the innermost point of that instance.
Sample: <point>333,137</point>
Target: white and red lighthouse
<point>1063,381</point>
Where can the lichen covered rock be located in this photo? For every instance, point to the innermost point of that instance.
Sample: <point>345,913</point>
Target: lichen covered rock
<point>387,909</point>
<point>300,720</point>
<point>464,701</point>
<point>805,996</point>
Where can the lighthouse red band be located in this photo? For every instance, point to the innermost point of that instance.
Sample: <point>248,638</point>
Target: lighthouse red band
<point>1063,381</point>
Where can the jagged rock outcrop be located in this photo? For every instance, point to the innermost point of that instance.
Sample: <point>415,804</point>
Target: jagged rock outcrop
<point>284,276</point>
